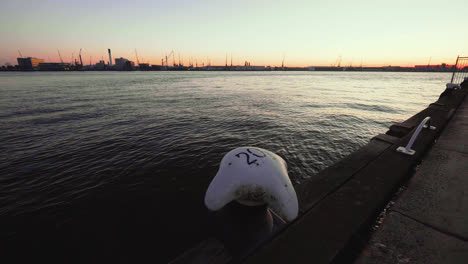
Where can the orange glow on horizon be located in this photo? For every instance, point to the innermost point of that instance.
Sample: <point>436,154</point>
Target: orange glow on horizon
<point>94,57</point>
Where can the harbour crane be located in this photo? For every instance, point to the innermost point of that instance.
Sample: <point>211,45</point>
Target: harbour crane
<point>21,55</point>
<point>60,56</point>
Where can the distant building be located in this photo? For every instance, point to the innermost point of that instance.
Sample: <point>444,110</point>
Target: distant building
<point>256,68</point>
<point>122,64</point>
<point>29,63</point>
<point>157,67</point>
<point>439,68</point>
<point>392,68</point>
<point>248,68</point>
<point>54,66</point>
<point>144,66</point>
<point>101,65</point>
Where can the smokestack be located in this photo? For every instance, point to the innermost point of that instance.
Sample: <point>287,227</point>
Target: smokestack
<point>110,57</point>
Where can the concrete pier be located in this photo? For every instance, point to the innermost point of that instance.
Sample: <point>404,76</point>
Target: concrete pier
<point>340,205</point>
<point>429,221</point>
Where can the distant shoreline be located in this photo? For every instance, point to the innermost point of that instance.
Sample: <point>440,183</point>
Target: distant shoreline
<point>248,68</point>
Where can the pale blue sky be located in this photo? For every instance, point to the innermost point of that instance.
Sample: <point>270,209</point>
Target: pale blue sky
<point>306,32</point>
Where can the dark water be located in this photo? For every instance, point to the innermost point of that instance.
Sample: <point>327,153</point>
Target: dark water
<point>113,166</point>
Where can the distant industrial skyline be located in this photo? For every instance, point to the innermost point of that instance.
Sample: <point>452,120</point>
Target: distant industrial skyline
<point>304,33</point>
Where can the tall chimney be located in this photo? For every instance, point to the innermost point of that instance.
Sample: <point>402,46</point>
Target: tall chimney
<point>110,57</point>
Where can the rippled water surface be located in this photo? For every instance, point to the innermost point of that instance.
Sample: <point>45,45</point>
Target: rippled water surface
<point>143,144</point>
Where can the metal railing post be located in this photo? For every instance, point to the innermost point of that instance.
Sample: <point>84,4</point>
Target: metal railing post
<point>407,150</point>
<point>455,70</point>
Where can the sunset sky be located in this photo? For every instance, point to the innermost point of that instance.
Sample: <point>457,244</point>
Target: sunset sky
<point>304,32</point>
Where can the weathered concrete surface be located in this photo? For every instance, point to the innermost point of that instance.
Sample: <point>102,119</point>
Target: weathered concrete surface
<point>429,221</point>
<point>210,251</point>
<point>413,243</point>
<point>329,179</point>
<point>438,194</point>
<point>454,137</point>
